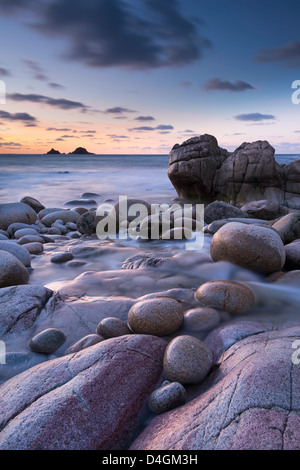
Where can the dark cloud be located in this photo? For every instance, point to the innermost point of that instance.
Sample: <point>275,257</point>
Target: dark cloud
<point>289,54</point>
<point>142,128</point>
<point>58,103</point>
<point>104,33</point>
<point>119,110</point>
<point>164,127</point>
<point>16,117</point>
<point>161,127</point>
<point>225,85</point>
<point>145,118</point>
<point>256,117</point>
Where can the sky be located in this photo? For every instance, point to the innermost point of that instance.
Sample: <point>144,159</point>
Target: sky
<point>139,76</point>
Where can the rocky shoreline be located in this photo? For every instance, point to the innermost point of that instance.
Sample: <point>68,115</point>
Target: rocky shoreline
<point>111,345</point>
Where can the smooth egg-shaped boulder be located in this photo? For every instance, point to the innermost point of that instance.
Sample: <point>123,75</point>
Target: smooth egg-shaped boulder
<point>187,360</point>
<point>47,341</point>
<point>231,296</point>
<point>254,247</point>
<point>159,316</point>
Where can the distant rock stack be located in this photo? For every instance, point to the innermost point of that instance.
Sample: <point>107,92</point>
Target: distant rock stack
<point>200,170</point>
<point>53,152</point>
<point>81,151</point>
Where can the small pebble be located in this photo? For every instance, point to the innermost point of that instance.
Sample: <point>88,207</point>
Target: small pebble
<point>47,341</point>
<point>112,327</point>
<point>167,397</point>
<point>187,360</point>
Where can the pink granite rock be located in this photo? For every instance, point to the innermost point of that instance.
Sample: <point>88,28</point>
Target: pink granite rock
<point>85,401</point>
<point>251,401</point>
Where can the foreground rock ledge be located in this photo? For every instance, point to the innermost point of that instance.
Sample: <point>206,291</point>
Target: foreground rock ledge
<point>85,401</point>
<point>251,402</point>
<point>200,170</point>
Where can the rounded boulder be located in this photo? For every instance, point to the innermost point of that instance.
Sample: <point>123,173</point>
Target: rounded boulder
<point>159,316</point>
<point>231,296</point>
<point>187,360</point>
<point>250,246</point>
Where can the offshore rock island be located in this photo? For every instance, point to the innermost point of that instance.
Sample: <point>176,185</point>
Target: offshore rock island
<point>78,151</point>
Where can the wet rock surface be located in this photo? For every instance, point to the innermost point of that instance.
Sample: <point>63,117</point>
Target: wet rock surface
<point>250,401</point>
<point>237,329</point>
<point>67,403</point>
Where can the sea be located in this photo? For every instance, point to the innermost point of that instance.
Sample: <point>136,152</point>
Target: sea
<point>56,180</point>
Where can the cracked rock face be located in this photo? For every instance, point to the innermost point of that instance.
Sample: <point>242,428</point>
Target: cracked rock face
<point>251,401</point>
<point>200,170</point>
<point>20,307</point>
<point>85,401</point>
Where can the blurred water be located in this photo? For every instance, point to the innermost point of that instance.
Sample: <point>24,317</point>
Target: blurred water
<point>54,180</point>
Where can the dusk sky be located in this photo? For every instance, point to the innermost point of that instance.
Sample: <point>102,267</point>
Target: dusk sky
<point>138,76</point>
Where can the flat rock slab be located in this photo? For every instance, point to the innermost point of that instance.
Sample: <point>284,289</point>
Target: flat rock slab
<point>85,401</point>
<point>250,402</point>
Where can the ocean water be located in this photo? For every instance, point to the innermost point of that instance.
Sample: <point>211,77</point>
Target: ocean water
<point>55,180</point>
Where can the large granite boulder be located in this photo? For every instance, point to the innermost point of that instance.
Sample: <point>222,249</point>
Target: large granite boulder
<point>200,170</point>
<point>20,306</point>
<point>85,401</point>
<point>193,165</point>
<point>250,401</point>
<point>16,212</point>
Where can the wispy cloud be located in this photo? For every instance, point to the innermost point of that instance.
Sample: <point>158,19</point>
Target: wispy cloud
<point>38,72</point>
<point>289,54</point>
<point>224,85</point>
<point>145,118</point>
<point>61,103</point>
<point>4,72</point>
